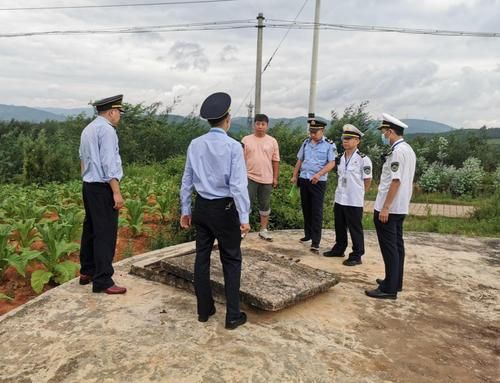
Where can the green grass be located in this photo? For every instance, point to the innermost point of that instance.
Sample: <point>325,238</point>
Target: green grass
<point>494,141</point>
<point>444,225</point>
<point>445,198</point>
<point>436,198</point>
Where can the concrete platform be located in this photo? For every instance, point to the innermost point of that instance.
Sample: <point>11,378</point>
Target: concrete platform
<point>444,326</point>
<point>269,281</point>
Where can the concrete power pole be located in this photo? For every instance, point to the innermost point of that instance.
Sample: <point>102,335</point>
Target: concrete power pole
<point>314,63</point>
<point>258,70</point>
<point>250,115</point>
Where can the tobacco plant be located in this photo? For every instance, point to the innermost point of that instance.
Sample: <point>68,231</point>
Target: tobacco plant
<point>135,217</point>
<point>25,233</point>
<point>57,269</point>
<point>8,255</point>
<point>71,217</point>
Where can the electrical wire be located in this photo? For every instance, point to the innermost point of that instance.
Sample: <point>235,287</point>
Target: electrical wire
<point>247,24</point>
<point>273,54</point>
<point>373,28</point>
<point>284,37</point>
<point>207,26</point>
<point>113,5</point>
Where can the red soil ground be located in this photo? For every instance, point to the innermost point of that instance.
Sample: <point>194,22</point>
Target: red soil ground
<point>19,288</point>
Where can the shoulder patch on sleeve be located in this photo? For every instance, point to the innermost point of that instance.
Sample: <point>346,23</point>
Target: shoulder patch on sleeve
<point>394,166</point>
<point>367,169</point>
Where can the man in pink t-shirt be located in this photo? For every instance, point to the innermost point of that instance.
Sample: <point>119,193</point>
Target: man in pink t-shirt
<point>262,158</point>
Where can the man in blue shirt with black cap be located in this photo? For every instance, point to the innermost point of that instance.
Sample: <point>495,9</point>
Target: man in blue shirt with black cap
<point>101,168</point>
<point>315,159</point>
<point>215,168</point>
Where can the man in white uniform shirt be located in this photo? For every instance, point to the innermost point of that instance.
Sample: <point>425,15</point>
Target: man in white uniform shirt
<point>392,205</point>
<point>354,178</point>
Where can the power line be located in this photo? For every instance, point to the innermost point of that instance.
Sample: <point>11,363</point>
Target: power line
<point>374,28</point>
<point>247,24</point>
<point>114,5</point>
<point>273,54</point>
<point>242,24</point>
<point>208,26</point>
<point>284,37</point>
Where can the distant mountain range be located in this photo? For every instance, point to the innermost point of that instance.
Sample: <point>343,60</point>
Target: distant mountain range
<point>70,112</point>
<point>23,113</point>
<point>426,126</point>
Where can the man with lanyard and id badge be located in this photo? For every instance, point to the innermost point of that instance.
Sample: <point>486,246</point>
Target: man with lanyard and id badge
<point>315,159</point>
<point>354,179</point>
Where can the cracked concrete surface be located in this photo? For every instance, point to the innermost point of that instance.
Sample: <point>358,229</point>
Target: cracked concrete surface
<point>444,327</point>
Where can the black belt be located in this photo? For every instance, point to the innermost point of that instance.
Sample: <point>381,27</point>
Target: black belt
<point>216,201</point>
<point>98,184</point>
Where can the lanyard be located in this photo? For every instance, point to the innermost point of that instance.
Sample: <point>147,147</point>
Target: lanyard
<point>347,161</point>
<point>396,144</point>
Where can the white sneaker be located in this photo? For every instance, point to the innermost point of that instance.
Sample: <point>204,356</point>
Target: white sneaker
<point>264,234</point>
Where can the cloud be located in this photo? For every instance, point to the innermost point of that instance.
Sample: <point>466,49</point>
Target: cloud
<point>455,80</point>
<point>188,56</point>
<point>228,53</point>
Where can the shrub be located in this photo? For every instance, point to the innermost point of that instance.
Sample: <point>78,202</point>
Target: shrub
<point>496,179</point>
<point>437,178</point>
<point>467,180</point>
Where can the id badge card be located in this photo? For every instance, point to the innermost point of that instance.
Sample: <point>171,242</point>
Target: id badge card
<point>344,182</point>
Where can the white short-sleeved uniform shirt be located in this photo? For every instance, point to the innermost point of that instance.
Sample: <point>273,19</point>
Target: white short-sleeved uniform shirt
<point>351,175</point>
<point>399,165</point>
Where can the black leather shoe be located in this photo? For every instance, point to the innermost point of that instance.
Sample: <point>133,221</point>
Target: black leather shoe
<point>380,281</point>
<point>377,293</point>
<point>232,324</point>
<point>331,253</point>
<point>204,318</point>
<point>305,239</point>
<point>352,262</point>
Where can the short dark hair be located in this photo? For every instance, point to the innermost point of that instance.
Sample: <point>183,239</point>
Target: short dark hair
<point>216,122</point>
<point>399,131</point>
<point>261,117</point>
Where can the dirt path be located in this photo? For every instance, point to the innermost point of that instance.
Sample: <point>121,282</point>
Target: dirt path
<point>444,327</point>
<point>424,209</point>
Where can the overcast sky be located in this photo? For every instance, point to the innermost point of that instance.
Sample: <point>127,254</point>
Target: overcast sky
<point>454,80</point>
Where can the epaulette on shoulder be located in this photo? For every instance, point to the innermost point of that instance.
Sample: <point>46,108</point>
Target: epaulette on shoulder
<point>362,155</point>
<point>329,141</point>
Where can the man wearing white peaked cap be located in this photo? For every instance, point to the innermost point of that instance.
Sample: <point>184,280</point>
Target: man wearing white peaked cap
<point>392,205</point>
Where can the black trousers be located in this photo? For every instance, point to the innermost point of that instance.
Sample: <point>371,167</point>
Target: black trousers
<point>390,239</point>
<point>100,228</point>
<point>349,217</point>
<point>217,219</point>
<point>311,197</point>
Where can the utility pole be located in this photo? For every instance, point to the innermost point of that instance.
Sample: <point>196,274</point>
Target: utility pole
<point>314,63</point>
<point>258,70</point>
<point>250,115</point>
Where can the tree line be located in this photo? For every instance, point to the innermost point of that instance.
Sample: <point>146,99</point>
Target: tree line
<point>48,151</point>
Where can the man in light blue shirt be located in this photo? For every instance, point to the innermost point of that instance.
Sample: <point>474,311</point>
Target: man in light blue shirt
<point>215,168</point>
<point>101,169</point>
<point>315,159</point>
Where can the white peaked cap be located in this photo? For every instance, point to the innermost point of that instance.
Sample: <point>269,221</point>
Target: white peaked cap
<point>393,120</point>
